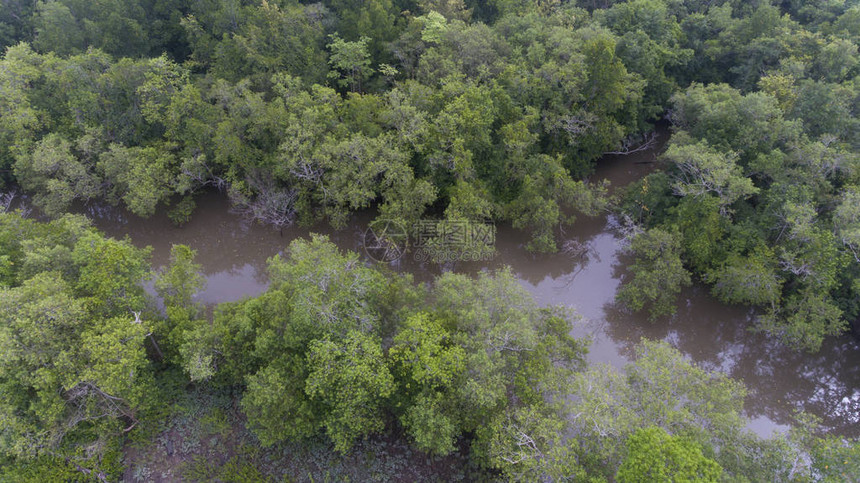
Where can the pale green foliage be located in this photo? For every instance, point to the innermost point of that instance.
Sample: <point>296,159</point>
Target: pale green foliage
<point>547,192</point>
<point>654,455</point>
<point>111,273</point>
<point>351,382</point>
<point>284,343</point>
<point>47,248</point>
<point>449,9</point>
<point>276,405</point>
<point>20,119</point>
<point>73,363</point>
<point>730,121</point>
<point>435,26</point>
<point>336,172</point>
<point>428,363</point>
<point>671,392</point>
<point>431,425</point>
<point>846,221</point>
<point>799,221</point>
<point>59,177</point>
<point>356,171</point>
<point>804,320</point>
<point>829,458</point>
<point>748,280</point>
<point>138,176</point>
<point>351,60</point>
<point>527,444</point>
<point>331,292</point>
<point>181,279</point>
<point>114,360</point>
<point>662,389</point>
<point>177,284</point>
<point>518,360</point>
<point>425,352</point>
<point>837,60</point>
<point>706,171</point>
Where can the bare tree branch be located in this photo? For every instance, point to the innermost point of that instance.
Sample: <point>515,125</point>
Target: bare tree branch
<point>271,205</point>
<point>629,144</point>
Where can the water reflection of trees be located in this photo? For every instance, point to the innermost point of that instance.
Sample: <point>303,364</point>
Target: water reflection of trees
<point>510,251</point>
<point>780,380</point>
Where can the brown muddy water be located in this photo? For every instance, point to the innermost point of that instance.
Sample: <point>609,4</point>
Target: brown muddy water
<point>233,254</point>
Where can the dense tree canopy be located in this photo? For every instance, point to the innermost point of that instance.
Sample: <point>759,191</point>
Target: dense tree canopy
<point>442,110</point>
<point>761,202</point>
<point>340,348</point>
<point>74,371</point>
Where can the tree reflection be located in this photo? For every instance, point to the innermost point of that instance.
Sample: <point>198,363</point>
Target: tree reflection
<point>780,380</point>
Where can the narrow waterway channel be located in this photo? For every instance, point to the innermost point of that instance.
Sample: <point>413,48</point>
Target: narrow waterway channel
<point>233,254</point>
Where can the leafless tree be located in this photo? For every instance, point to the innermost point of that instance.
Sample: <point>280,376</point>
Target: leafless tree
<point>272,205</point>
<point>577,125</point>
<point>626,226</point>
<point>200,175</point>
<point>574,249</point>
<point>88,402</point>
<point>6,200</point>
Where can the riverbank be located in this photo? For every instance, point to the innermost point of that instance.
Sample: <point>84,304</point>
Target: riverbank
<point>780,380</point>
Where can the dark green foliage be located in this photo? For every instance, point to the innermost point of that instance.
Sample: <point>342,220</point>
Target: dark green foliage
<point>338,348</point>
<point>484,353</point>
<point>657,274</point>
<point>761,204</point>
<point>442,109</point>
<point>249,112</point>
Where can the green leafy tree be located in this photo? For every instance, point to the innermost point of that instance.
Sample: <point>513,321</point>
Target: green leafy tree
<point>705,171</point>
<point>74,366</point>
<point>21,119</point>
<point>749,279</point>
<point>57,29</point>
<point>141,177</point>
<point>177,284</point>
<point>748,124</point>
<point>649,45</point>
<point>657,273</point>
<point>57,175</point>
<point>846,220</point>
<point>258,39</point>
<point>654,455</point>
<point>350,380</point>
<point>427,363</point>
<point>15,22</point>
<point>663,393</point>
<point>518,358</point>
<point>111,273</point>
<point>351,60</point>
<point>323,310</point>
<point>375,19</point>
